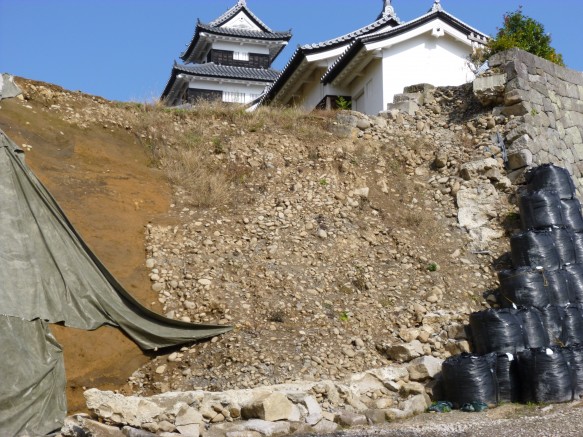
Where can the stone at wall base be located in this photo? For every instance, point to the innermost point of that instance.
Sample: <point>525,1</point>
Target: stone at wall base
<point>519,159</point>
<point>407,107</point>
<point>489,90</point>
<point>517,110</point>
<point>517,176</point>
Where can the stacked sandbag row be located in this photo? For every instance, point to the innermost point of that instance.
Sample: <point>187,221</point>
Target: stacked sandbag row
<point>530,351</point>
<point>548,256</point>
<point>539,375</point>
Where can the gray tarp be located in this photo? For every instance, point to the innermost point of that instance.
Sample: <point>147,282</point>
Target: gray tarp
<point>48,273</point>
<point>32,378</point>
<point>8,88</point>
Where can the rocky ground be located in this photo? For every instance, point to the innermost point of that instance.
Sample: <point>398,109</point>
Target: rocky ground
<point>331,256</point>
<point>343,243</point>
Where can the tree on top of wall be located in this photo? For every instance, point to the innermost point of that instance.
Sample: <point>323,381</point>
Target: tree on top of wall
<point>524,33</point>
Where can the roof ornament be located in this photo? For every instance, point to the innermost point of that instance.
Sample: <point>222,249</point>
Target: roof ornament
<point>388,10</point>
<point>437,6</point>
<point>241,3</point>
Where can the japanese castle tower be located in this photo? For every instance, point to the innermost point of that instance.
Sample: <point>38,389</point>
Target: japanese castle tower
<point>228,59</point>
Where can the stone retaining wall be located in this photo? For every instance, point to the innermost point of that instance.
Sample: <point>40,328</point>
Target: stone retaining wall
<point>547,102</point>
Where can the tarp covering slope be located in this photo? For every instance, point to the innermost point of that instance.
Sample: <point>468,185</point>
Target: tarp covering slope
<point>32,379</point>
<point>48,273</point>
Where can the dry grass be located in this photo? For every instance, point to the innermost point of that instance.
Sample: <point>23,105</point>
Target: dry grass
<point>185,143</point>
<point>204,185</point>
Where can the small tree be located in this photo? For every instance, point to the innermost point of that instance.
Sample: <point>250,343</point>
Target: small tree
<point>524,33</point>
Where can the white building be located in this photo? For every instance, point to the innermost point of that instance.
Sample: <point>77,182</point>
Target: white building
<point>372,64</point>
<point>228,59</point>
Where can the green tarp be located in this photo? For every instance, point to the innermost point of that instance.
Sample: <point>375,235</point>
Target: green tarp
<point>48,274</point>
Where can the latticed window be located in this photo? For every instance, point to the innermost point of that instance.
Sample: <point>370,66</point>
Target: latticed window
<point>233,97</point>
<point>240,56</point>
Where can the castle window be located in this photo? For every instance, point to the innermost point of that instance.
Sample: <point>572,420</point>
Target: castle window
<point>233,97</point>
<point>240,56</point>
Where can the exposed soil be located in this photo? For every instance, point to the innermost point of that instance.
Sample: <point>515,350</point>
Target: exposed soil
<point>102,180</point>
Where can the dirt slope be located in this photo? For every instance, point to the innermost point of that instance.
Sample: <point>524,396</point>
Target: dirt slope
<point>102,180</point>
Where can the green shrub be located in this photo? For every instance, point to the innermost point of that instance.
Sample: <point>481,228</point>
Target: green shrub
<point>524,33</point>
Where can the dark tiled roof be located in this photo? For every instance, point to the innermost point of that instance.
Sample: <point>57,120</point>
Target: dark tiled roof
<point>448,18</point>
<point>296,59</point>
<point>226,71</point>
<point>240,6</point>
<point>359,43</point>
<point>244,33</point>
<point>382,22</point>
<point>218,71</point>
<point>170,84</point>
<point>190,54</point>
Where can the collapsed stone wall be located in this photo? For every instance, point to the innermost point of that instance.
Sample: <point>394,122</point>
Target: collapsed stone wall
<point>545,104</point>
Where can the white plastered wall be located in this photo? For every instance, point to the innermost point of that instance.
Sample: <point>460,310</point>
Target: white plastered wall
<point>312,91</point>
<point>367,89</point>
<point>237,47</point>
<point>424,59</point>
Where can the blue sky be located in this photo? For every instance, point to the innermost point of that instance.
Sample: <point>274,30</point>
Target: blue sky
<point>124,49</point>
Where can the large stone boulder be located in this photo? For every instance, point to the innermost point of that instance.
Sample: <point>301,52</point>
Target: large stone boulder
<point>489,90</point>
<point>405,352</point>
<point>423,368</point>
<point>271,408</point>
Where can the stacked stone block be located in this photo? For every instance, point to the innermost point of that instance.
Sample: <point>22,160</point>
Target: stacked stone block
<point>546,101</point>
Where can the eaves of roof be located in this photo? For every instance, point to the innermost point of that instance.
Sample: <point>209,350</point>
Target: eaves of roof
<point>296,59</point>
<point>244,33</point>
<point>237,33</point>
<point>170,84</point>
<point>228,72</point>
<point>344,39</point>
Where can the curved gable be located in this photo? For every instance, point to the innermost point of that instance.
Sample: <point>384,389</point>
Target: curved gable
<point>242,21</point>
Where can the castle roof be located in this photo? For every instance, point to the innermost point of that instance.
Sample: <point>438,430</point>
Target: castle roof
<point>213,71</point>
<point>228,72</point>
<point>221,29</point>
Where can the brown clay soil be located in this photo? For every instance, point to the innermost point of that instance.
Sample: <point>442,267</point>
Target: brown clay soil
<point>102,180</point>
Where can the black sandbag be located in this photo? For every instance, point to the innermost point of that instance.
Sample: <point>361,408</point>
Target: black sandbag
<point>577,238</point>
<point>574,275</point>
<point>553,323</point>
<point>544,376</point>
<point>540,209</point>
<point>571,213</point>
<point>558,287</point>
<point>533,329</point>
<point>572,325</point>
<point>497,331</point>
<point>507,378</point>
<point>534,249</point>
<point>574,356</point>
<point>551,177</point>
<point>524,286</point>
<point>469,378</point>
<point>563,239</point>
